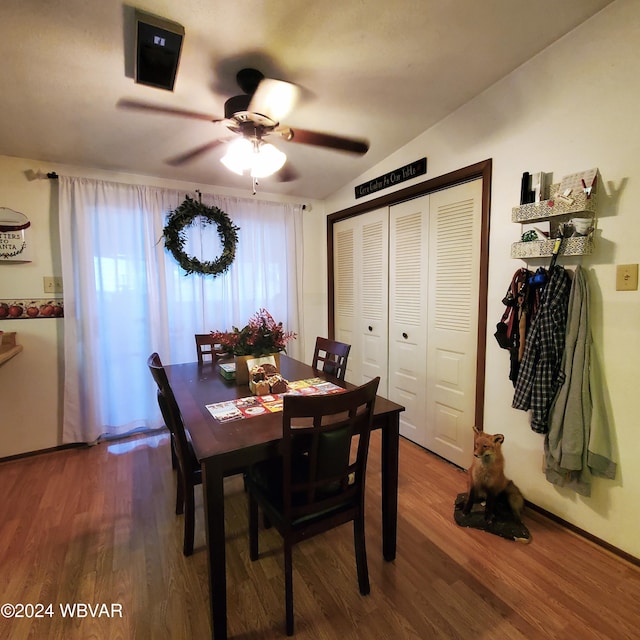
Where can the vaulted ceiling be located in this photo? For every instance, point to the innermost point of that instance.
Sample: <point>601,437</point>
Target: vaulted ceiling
<point>382,71</point>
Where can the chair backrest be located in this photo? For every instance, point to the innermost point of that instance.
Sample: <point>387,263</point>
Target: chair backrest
<point>205,346</point>
<point>323,469</point>
<point>170,411</point>
<point>331,357</point>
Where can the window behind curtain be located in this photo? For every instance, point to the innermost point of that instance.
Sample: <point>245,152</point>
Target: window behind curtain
<point>126,296</point>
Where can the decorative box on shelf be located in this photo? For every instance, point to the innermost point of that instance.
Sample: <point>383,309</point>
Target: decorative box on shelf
<point>555,204</point>
<point>575,246</point>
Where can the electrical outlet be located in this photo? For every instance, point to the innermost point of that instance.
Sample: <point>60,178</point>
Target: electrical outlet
<point>627,277</point>
<point>52,284</point>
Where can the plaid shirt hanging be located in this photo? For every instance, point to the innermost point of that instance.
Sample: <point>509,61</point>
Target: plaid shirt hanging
<point>539,375</point>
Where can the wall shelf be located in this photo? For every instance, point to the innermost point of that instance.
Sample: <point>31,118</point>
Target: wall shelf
<point>8,346</point>
<point>578,246</point>
<point>577,204</point>
<point>554,206</point>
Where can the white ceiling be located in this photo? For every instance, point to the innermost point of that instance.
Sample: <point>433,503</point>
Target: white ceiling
<point>384,70</point>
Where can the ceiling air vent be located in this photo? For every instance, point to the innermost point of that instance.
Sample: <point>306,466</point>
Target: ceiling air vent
<point>158,45</point>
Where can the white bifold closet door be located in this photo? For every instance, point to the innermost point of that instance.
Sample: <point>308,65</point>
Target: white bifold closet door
<point>434,274</point>
<point>408,305</point>
<point>406,299</point>
<point>361,268</point>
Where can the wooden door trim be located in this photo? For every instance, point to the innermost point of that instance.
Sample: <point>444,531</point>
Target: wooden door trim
<point>482,170</point>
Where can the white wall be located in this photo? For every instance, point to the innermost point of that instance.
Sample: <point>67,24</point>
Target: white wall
<point>315,278</point>
<point>31,383</point>
<point>573,107</point>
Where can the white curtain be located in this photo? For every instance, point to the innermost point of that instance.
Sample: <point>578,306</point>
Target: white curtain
<point>125,296</point>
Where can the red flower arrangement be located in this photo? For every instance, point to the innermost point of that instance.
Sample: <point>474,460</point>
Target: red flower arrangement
<point>260,337</point>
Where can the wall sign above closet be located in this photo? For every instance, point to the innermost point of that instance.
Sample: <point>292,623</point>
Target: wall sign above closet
<point>412,170</point>
<point>567,209</point>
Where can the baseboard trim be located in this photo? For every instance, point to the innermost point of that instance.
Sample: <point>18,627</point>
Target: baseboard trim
<point>38,452</point>
<point>557,519</point>
<point>79,445</point>
<point>584,534</point>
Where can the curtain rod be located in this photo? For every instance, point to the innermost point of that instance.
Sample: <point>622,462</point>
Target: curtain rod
<point>52,175</point>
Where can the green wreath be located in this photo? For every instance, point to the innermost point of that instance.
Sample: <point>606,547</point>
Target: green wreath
<point>174,237</point>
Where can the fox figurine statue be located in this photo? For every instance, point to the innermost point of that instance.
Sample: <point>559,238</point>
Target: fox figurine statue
<point>487,480</point>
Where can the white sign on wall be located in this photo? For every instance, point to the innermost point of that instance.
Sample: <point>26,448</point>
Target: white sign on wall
<point>14,241</point>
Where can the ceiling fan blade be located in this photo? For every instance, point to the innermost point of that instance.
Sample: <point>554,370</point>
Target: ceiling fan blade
<point>194,153</point>
<point>125,103</point>
<point>274,98</point>
<point>341,143</point>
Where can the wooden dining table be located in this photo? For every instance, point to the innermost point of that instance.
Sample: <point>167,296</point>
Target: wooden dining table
<point>227,448</point>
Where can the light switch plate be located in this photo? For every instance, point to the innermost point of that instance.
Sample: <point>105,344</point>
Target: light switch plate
<point>627,277</point>
<point>52,284</point>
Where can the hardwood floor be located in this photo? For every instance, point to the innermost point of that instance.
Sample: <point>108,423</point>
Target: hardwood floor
<point>97,526</point>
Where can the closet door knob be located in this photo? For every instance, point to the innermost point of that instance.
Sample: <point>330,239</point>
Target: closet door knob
<point>405,335</point>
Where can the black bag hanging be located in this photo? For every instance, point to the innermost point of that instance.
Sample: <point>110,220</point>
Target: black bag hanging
<point>501,335</point>
<point>507,328</point>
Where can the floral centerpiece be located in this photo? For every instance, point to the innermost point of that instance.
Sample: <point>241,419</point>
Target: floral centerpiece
<point>260,337</point>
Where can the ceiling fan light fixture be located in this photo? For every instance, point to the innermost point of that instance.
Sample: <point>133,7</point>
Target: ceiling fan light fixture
<point>238,156</point>
<point>266,161</point>
<point>259,158</point>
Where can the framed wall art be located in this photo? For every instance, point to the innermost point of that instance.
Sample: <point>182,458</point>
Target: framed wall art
<point>14,240</point>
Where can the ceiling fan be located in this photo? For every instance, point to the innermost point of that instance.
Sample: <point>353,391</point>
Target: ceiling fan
<point>254,116</point>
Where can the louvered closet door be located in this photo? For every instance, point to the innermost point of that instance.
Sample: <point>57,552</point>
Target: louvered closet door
<point>453,285</point>
<point>372,320</point>
<point>344,248</point>
<point>361,268</point>
<point>406,299</point>
<point>408,264</point>
<point>344,256</point>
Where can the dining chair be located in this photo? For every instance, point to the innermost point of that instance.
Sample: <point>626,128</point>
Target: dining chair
<point>331,357</point>
<point>189,473</point>
<point>318,483</point>
<point>206,346</point>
